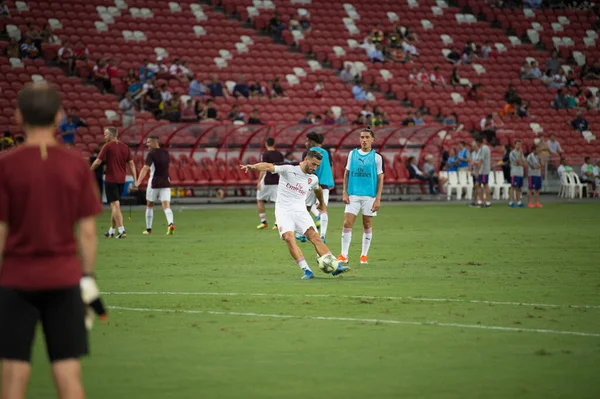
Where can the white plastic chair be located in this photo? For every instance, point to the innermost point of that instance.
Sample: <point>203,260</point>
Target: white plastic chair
<point>577,185</point>
<point>501,185</point>
<point>453,185</point>
<point>466,181</point>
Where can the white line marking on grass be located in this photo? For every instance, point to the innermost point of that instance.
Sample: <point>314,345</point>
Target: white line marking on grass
<point>399,298</point>
<point>359,320</point>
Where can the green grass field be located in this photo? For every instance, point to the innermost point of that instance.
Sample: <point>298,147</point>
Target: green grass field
<point>224,313</point>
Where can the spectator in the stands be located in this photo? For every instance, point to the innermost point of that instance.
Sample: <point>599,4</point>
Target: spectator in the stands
<point>553,63</point>
<point>412,77</point>
<point>235,114</point>
<point>523,109</point>
<point>145,71</point>
<point>175,70</point>
<point>276,26</point>
<point>509,110</point>
<point>319,89</point>
<point>80,51</point>
<point>48,35</point>
<point>165,94</point>
<point>308,119</point>
<point>211,110</point>
<point>255,90</point>
<point>68,127</point>
<point>346,74</point>
<point>12,49</point>
<point>453,56</point>
<point>29,50</point>
<point>150,83</point>
<point>591,101</point>
<point>415,173</point>
<point>216,87</point>
<point>342,119</point>
<point>409,120</point>
<point>188,113</point>
<point>418,119</point>
<point>535,71</point>
<point>436,77</point>
<point>329,118</point>
<point>35,35</point>
<point>127,107</point>
<point>131,77</point>
<point>100,75</point>
<point>367,111</point>
<point>277,88</point>
<point>376,53</point>
<point>587,174</point>
<point>547,78</point>
<point>563,168</point>
<point>511,95</point>
<point>571,82</point>
<point>463,157</point>
<point>554,146</point>
<point>486,50</point>
<point>380,119</point>
<point>136,90</point>
<point>488,128</point>
<point>318,120</point>
<point>294,24</point>
<point>468,56</point>
<point>560,101</point>
<point>254,119</point>
<point>450,120</point>
<point>197,89</point>
<point>580,123</point>
<point>526,71</point>
<point>359,93</point>
<point>112,70</point>
<point>172,108</point>
<point>543,146</point>
<point>186,71</point>
<point>360,120</point>
<point>4,11</point>
<point>423,77</point>
<point>152,101</point>
<point>559,80</point>
<point>475,94</point>
<point>304,20</point>
<point>591,72</point>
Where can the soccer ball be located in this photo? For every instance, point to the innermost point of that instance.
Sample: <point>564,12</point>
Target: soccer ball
<point>327,263</point>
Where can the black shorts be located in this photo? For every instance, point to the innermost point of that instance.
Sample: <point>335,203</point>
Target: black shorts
<point>113,191</point>
<point>61,313</point>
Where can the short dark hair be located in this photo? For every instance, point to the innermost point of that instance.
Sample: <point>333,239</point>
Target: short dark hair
<point>39,103</point>
<point>462,142</point>
<point>270,141</point>
<point>153,137</point>
<point>112,131</point>
<point>368,129</point>
<point>533,148</point>
<point>517,141</point>
<point>586,159</point>
<point>316,137</point>
<point>479,140</point>
<point>314,154</point>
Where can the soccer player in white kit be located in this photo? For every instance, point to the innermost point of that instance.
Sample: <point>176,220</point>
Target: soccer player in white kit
<point>295,182</point>
<point>363,184</point>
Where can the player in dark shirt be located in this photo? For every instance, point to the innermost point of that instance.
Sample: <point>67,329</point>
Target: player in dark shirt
<point>41,276</point>
<point>159,185</point>
<point>116,155</point>
<point>266,188</point>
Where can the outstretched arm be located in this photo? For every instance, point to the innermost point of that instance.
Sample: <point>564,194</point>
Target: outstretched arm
<point>261,167</point>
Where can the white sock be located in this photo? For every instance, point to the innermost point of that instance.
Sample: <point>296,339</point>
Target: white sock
<point>121,229</point>
<point>315,211</point>
<point>149,217</point>
<point>366,241</point>
<point>479,202</point>
<point>169,215</point>
<point>324,222</point>
<point>519,202</point>
<point>111,230</point>
<point>346,238</point>
<point>263,217</point>
<point>489,203</point>
<point>303,265</point>
<point>510,203</point>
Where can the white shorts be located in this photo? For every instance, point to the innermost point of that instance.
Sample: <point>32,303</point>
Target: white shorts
<point>158,194</point>
<point>362,204</point>
<point>295,221</point>
<point>311,199</point>
<point>267,193</point>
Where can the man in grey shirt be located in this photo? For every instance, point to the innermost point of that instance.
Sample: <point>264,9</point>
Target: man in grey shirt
<point>535,165</point>
<point>517,163</point>
<point>473,171</point>
<point>484,166</point>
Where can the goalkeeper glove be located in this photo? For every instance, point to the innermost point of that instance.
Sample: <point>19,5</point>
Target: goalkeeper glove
<point>91,299</point>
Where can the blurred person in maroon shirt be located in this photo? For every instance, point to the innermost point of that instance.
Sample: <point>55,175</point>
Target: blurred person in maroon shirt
<point>116,155</point>
<point>47,215</point>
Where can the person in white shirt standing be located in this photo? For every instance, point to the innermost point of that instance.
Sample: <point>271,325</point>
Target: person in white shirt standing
<point>295,182</point>
<point>535,165</point>
<point>587,174</point>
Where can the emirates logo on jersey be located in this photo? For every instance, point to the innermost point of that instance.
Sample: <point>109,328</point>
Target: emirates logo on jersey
<point>309,180</point>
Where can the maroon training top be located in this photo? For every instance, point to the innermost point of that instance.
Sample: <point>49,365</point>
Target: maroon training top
<point>116,155</point>
<point>42,197</point>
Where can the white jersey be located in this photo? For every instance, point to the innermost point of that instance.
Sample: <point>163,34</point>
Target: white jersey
<point>294,186</point>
